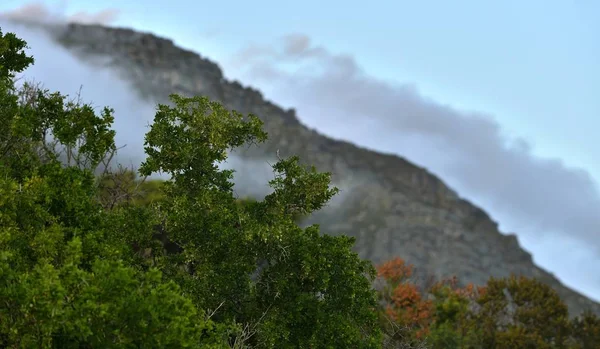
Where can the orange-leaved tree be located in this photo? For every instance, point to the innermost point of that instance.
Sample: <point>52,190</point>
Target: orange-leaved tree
<point>406,313</point>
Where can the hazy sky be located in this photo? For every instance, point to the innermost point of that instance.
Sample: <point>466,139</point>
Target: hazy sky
<point>500,100</point>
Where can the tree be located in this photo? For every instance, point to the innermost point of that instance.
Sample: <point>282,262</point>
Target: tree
<point>520,312</point>
<point>308,289</point>
<point>81,265</point>
<point>407,313</point>
<point>454,324</point>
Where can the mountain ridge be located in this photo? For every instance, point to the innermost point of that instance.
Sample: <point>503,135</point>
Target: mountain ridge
<point>392,206</point>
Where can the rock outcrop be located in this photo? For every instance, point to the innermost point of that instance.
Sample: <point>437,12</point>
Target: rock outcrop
<point>392,207</point>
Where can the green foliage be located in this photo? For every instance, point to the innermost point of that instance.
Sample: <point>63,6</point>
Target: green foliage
<point>64,284</point>
<point>454,324</point>
<point>186,141</point>
<point>12,57</point>
<point>520,312</point>
<point>12,60</point>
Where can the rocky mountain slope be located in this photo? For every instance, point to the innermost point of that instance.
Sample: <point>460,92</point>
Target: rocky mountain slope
<point>393,207</point>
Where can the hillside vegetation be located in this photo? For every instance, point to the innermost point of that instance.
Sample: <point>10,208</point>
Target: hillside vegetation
<point>117,260</point>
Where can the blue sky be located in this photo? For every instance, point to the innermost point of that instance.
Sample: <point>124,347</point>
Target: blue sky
<point>499,99</point>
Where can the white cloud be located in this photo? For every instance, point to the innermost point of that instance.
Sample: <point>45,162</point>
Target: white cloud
<point>41,13</point>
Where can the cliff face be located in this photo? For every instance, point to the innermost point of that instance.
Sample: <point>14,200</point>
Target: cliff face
<point>393,207</point>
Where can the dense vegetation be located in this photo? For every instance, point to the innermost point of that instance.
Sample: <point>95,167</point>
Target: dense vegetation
<point>116,260</point>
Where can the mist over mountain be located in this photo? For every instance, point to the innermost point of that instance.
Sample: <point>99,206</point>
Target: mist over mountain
<point>392,206</point>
